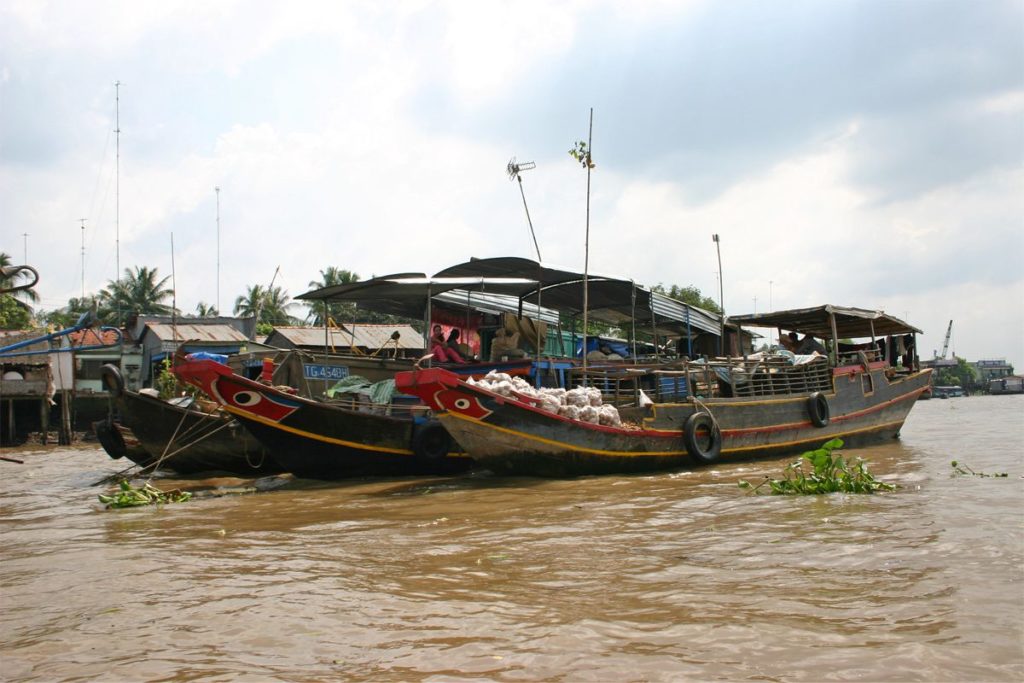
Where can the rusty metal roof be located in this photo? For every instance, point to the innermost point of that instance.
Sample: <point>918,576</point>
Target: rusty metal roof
<point>354,334</point>
<point>195,333</point>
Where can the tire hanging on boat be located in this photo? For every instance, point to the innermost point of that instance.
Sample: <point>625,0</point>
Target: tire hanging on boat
<point>113,382</point>
<point>817,408</point>
<point>110,438</point>
<point>702,437</point>
<point>431,441</point>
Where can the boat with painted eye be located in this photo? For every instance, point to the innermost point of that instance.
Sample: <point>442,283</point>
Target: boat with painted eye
<point>723,408</point>
<point>182,435</point>
<point>326,439</point>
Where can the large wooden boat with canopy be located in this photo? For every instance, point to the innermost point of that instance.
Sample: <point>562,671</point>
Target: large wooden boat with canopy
<point>697,411</point>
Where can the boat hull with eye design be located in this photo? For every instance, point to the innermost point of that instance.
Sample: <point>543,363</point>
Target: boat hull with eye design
<point>320,440</point>
<point>509,435</point>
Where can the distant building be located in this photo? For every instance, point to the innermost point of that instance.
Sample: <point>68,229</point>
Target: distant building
<point>992,369</point>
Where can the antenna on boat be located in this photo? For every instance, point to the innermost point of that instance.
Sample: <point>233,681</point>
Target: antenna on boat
<point>514,171</point>
<point>83,257</point>
<point>217,190</point>
<point>721,301</point>
<point>117,189</point>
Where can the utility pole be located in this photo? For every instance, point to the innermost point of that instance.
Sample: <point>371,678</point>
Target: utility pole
<point>117,190</point>
<point>217,190</point>
<point>721,289</point>
<point>25,236</point>
<point>83,258</point>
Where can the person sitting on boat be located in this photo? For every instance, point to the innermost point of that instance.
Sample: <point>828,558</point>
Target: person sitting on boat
<point>439,347</point>
<point>809,345</point>
<point>789,341</point>
<point>453,345</point>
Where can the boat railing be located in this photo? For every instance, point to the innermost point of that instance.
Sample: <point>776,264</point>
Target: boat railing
<point>771,375</point>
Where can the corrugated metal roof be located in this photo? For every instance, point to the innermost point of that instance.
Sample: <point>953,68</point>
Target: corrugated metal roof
<point>191,332</point>
<point>354,334</point>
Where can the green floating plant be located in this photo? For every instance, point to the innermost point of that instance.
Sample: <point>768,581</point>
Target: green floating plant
<point>960,469</point>
<point>822,471</point>
<point>128,496</point>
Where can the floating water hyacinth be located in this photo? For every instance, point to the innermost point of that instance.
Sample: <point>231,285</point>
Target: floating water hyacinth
<point>830,473</point>
<point>128,496</point>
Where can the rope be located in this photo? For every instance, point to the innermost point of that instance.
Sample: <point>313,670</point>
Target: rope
<point>707,410</point>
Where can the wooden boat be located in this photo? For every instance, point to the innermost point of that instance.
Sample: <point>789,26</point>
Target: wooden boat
<point>734,407</point>
<point>177,435</point>
<point>324,440</point>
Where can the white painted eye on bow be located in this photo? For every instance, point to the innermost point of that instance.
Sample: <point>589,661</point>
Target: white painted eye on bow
<point>462,403</point>
<point>247,398</point>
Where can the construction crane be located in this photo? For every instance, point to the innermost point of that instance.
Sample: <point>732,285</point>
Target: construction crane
<point>945,343</point>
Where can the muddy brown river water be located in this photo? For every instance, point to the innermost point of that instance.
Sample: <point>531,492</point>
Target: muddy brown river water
<point>675,576</point>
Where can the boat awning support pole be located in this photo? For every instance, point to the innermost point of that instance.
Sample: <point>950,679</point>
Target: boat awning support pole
<point>835,339</point>
<point>426,330</point>
<point>689,335</point>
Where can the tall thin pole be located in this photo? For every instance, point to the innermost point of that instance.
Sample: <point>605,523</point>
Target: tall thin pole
<point>117,189</point>
<point>217,190</point>
<point>83,258</point>
<point>586,246</point>
<point>721,296</point>
<point>25,236</point>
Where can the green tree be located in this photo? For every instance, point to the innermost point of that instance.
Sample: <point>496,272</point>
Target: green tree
<point>690,295</point>
<point>961,374</point>
<point>339,311</point>
<point>269,307</point>
<point>67,316</point>
<point>137,292</point>
<point>14,315</point>
<point>204,310</point>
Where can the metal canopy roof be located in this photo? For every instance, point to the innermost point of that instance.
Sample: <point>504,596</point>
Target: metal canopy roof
<point>850,322</point>
<point>500,283</point>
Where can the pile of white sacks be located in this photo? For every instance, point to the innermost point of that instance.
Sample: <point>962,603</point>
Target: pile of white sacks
<point>581,403</point>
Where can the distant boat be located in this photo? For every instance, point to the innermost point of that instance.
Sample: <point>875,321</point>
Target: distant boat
<point>1014,384</point>
<point>955,391</point>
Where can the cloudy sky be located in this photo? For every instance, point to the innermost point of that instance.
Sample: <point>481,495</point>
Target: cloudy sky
<point>865,153</point>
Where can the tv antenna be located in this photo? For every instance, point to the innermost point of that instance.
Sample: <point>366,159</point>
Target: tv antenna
<point>83,257</point>
<point>514,173</point>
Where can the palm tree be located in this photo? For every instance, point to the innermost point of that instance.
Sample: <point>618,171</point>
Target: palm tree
<point>71,313</point>
<point>338,311</point>
<point>204,310</point>
<point>137,292</point>
<point>22,296</point>
<point>269,307</point>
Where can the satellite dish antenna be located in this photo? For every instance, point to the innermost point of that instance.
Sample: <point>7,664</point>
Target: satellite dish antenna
<point>514,171</point>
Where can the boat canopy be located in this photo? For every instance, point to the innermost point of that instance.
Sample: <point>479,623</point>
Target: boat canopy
<point>817,322</point>
<point>514,284</point>
<point>614,300</point>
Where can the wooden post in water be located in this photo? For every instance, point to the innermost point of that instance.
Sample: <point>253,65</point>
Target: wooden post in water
<point>44,420</point>
<point>65,418</point>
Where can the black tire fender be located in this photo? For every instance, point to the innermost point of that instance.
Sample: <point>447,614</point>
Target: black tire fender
<point>431,441</point>
<point>702,437</point>
<point>113,382</point>
<point>110,438</point>
<point>817,409</point>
